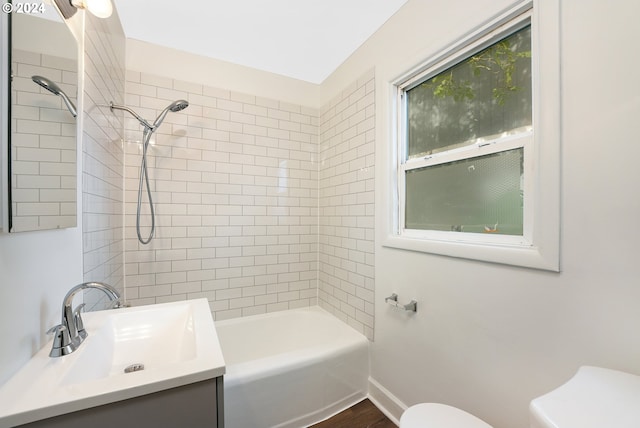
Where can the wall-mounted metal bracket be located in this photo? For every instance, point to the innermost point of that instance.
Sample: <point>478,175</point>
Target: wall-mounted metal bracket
<point>412,306</point>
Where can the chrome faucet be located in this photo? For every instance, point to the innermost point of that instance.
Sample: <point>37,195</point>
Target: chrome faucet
<point>70,333</point>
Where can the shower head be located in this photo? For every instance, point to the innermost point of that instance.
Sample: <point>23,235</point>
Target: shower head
<point>47,84</point>
<point>55,90</point>
<point>178,105</point>
<point>174,107</point>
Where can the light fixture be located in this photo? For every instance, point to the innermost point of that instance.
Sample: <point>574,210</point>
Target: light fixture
<point>99,8</point>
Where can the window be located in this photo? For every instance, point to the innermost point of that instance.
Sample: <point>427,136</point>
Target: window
<point>468,158</point>
<point>466,131</point>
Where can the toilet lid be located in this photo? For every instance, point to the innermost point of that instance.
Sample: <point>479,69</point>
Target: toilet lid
<point>434,415</point>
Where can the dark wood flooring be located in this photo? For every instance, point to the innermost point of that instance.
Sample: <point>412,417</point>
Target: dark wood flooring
<point>362,415</point>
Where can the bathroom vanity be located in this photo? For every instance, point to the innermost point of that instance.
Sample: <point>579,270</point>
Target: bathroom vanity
<point>195,405</point>
<point>150,366</point>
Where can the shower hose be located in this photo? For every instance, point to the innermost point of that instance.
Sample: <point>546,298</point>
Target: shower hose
<point>144,179</point>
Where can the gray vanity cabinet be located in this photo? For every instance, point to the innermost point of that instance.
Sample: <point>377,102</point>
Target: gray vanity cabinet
<point>197,405</point>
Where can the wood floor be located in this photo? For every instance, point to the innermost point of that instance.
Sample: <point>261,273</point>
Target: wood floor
<point>362,415</point>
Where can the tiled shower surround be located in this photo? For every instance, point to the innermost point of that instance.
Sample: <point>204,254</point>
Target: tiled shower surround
<point>234,179</point>
<point>102,158</point>
<point>347,145</point>
<point>246,215</point>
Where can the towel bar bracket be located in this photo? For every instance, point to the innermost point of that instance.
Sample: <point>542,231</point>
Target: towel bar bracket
<point>412,306</point>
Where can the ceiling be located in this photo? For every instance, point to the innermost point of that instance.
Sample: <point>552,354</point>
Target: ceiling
<point>302,39</point>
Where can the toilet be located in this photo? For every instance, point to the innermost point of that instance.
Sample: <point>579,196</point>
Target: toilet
<point>593,398</point>
<point>434,415</point>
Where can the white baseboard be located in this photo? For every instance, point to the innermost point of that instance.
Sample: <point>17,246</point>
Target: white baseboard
<point>384,400</point>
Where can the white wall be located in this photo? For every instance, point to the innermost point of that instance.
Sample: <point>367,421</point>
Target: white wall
<point>36,270</point>
<point>179,65</point>
<point>488,338</point>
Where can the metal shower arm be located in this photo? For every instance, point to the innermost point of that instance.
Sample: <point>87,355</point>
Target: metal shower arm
<point>132,113</point>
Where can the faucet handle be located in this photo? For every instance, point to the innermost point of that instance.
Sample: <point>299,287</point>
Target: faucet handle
<point>61,340</point>
<point>77,319</point>
<point>60,334</point>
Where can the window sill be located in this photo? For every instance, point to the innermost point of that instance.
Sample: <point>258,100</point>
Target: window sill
<point>514,255</point>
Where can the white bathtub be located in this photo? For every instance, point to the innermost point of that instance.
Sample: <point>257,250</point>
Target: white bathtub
<point>291,368</point>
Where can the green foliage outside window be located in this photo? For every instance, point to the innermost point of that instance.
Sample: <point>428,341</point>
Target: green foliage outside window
<point>484,95</point>
<point>500,60</point>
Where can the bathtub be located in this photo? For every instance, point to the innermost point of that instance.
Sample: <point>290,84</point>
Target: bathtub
<point>290,368</point>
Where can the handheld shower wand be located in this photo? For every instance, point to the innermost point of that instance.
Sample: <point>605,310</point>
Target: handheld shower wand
<point>175,106</point>
<point>55,90</point>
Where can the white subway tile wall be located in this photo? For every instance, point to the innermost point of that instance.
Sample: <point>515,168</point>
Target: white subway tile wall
<point>234,180</point>
<point>103,157</point>
<point>43,140</point>
<point>347,197</point>
<point>246,216</point>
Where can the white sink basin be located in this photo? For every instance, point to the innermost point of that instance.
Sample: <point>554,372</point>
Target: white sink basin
<point>176,342</point>
<point>156,336</point>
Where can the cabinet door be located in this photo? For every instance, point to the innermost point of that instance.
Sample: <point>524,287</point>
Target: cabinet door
<point>193,405</point>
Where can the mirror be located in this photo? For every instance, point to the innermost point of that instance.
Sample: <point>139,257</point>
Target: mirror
<point>44,87</point>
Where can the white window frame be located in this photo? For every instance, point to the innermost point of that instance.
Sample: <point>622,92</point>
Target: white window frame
<point>481,147</point>
<point>538,247</point>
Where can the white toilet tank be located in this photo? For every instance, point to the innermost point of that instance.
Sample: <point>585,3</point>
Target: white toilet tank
<point>593,398</point>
